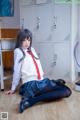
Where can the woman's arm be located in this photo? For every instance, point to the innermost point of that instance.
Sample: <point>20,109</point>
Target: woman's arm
<point>17,68</point>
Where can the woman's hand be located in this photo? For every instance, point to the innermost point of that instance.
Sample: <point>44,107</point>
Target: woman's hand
<point>10,92</point>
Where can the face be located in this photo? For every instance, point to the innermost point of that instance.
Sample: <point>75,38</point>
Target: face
<point>26,43</point>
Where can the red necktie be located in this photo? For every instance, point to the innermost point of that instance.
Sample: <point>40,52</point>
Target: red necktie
<point>36,65</point>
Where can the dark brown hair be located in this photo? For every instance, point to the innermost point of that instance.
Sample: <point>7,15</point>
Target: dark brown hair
<point>21,37</point>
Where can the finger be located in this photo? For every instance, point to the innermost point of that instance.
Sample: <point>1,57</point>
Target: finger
<point>7,93</point>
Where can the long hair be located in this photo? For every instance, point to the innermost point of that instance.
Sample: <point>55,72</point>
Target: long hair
<point>21,37</point>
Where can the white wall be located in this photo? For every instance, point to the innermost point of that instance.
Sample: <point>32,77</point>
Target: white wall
<point>12,22</point>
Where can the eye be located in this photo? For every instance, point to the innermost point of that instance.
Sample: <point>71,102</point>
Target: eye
<point>29,39</point>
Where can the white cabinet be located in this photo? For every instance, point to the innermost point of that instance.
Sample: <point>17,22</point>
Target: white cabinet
<point>50,25</point>
<point>48,22</point>
<point>38,19</point>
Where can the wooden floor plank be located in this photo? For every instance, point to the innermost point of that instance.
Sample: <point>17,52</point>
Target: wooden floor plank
<point>65,109</point>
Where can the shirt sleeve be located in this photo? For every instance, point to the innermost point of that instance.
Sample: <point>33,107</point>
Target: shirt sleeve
<point>17,69</point>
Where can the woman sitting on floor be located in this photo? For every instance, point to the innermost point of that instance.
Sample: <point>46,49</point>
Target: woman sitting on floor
<point>27,66</point>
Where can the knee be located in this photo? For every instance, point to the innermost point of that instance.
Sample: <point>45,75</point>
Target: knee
<point>68,92</point>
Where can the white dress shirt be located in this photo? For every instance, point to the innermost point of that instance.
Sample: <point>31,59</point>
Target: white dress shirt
<point>24,69</point>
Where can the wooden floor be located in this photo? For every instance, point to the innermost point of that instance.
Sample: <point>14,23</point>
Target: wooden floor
<point>65,109</point>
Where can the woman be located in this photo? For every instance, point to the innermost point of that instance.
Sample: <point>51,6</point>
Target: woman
<point>27,67</point>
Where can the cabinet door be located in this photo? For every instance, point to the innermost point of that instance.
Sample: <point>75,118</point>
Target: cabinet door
<point>62,67</point>
<point>63,23</point>
<point>46,57</point>
<point>37,18</point>
<point>27,17</point>
<point>44,15</point>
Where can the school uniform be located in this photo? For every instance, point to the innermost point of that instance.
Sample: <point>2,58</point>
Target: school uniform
<point>29,72</point>
<point>34,87</point>
<point>25,69</point>
<point>44,90</point>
